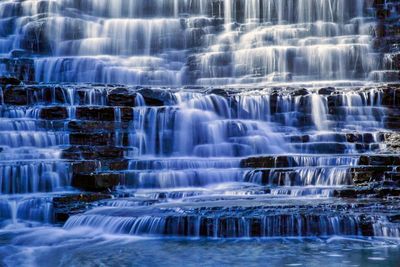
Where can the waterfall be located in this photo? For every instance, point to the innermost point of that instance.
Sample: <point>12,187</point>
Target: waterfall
<point>175,42</point>
<point>207,119</point>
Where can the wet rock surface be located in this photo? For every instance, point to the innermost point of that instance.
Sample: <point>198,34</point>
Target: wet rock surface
<point>121,97</point>
<point>15,96</point>
<point>54,113</point>
<point>96,181</point>
<point>69,205</point>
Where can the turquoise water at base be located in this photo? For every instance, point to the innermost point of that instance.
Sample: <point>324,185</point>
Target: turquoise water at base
<point>50,246</point>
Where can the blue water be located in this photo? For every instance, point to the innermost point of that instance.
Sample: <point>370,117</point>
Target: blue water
<point>55,247</point>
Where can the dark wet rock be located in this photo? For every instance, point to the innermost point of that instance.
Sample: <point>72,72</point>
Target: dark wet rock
<point>284,161</point>
<point>93,153</point>
<point>69,205</point>
<point>366,225</point>
<point>103,153</point>
<point>126,114</point>
<point>40,94</point>
<point>86,139</point>
<point>117,165</point>
<point>392,122</point>
<point>345,193</point>
<point>72,153</point>
<point>16,95</point>
<point>352,138</point>
<point>388,192</point>
<point>301,92</point>
<point>21,68</point>
<point>95,113</point>
<point>54,113</point>
<point>50,94</point>
<point>220,92</point>
<point>300,139</point>
<point>394,177</point>
<point>392,141</point>
<point>326,91</point>
<point>9,81</point>
<point>258,162</point>
<point>362,140</point>
<point>395,218</point>
<point>93,126</point>
<point>323,148</point>
<point>390,95</point>
<point>380,160</point>
<point>353,192</point>
<point>86,166</point>
<point>365,175</point>
<point>268,162</point>
<point>96,181</point>
<point>156,97</point>
<point>121,97</point>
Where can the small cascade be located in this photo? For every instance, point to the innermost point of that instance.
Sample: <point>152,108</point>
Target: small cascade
<point>222,227</point>
<point>26,209</point>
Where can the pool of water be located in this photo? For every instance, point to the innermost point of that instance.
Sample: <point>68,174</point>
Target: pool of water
<point>50,246</point>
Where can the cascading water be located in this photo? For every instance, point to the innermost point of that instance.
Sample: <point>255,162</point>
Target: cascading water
<point>187,42</point>
<point>84,159</point>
